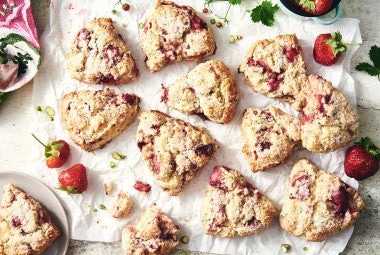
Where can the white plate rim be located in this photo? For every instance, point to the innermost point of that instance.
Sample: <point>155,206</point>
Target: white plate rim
<point>42,193</point>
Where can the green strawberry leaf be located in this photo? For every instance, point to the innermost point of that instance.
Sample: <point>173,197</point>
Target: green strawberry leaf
<point>264,13</point>
<point>374,55</point>
<point>234,2</point>
<point>367,144</point>
<point>68,189</point>
<point>371,70</point>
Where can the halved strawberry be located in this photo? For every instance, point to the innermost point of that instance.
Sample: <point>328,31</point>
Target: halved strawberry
<point>56,152</point>
<point>73,180</point>
<point>328,48</point>
<point>315,7</point>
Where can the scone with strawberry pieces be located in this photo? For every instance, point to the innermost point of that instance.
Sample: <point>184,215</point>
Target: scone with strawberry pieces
<point>25,226</point>
<point>233,207</point>
<point>174,33</point>
<point>270,136</point>
<point>318,204</point>
<point>209,90</point>
<point>275,67</point>
<point>93,118</point>
<point>99,54</point>
<point>155,234</point>
<point>173,150</point>
<point>328,120</point>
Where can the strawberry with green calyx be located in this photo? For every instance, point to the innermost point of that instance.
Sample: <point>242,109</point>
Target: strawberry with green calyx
<point>73,180</point>
<point>328,48</point>
<point>314,7</point>
<point>362,160</point>
<point>56,152</point>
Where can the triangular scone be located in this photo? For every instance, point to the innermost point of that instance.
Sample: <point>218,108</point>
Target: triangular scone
<point>155,233</point>
<point>318,204</point>
<point>173,150</point>
<point>209,90</point>
<point>328,121</point>
<point>173,33</point>
<point>99,54</point>
<point>93,118</point>
<point>269,136</point>
<point>25,226</point>
<point>275,67</point>
<point>233,207</point>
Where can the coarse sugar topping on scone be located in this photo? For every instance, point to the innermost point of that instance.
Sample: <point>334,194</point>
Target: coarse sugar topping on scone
<point>25,226</point>
<point>270,136</point>
<point>233,207</point>
<point>174,33</point>
<point>209,90</point>
<point>275,67</point>
<point>328,120</point>
<point>99,54</point>
<point>318,204</point>
<point>173,150</point>
<point>93,118</point>
<point>155,233</point>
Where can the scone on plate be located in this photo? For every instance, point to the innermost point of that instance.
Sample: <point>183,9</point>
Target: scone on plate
<point>98,54</point>
<point>269,136</point>
<point>25,226</point>
<point>93,118</point>
<point>328,120</point>
<point>173,33</point>
<point>173,150</point>
<point>275,67</point>
<point>233,207</point>
<point>318,204</point>
<point>155,233</point>
<point>209,90</point>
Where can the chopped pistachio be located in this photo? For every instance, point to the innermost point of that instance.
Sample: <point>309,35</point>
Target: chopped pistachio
<point>232,39</point>
<point>285,248</point>
<point>123,25</point>
<point>94,209</point>
<point>184,239</point>
<point>102,207</point>
<point>112,164</point>
<point>305,249</point>
<point>183,252</point>
<point>212,21</point>
<point>49,111</point>
<point>239,37</point>
<point>117,156</point>
<point>87,205</point>
<point>114,11</point>
<point>39,108</point>
<point>141,25</point>
<point>219,24</point>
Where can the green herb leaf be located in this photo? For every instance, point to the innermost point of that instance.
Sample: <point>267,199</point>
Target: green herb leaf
<point>374,55</point>
<point>264,13</point>
<point>372,70</point>
<point>22,61</point>
<point>234,2</point>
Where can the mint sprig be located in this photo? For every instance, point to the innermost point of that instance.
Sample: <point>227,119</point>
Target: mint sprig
<point>372,70</point>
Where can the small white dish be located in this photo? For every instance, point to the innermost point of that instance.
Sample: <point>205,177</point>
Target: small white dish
<point>50,202</point>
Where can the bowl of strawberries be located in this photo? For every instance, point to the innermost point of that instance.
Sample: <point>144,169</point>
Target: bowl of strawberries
<point>314,9</point>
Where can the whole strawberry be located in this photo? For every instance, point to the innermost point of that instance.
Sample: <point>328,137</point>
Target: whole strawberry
<point>315,7</point>
<point>328,48</point>
<point>362,159</point>
<point>56,152</point>
<point>73,180</point>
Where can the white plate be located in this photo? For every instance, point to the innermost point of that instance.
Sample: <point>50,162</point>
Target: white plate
<point>50,202</point>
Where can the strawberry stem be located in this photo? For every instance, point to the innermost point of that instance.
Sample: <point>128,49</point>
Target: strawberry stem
<point>367,144</point>
<point>38,140</point>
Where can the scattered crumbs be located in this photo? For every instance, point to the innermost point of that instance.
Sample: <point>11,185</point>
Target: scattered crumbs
<point>109,186</point>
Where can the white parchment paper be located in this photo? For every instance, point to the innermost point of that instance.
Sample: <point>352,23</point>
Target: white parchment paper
<point>87,221</point>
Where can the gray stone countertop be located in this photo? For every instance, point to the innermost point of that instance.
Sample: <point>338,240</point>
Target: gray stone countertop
<point>16,114</point>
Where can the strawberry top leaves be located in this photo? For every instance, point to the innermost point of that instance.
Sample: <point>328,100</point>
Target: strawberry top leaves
<point>234,2</point>
<point>374,56</point>
<point>367,144</point>
<point>264,13</point>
